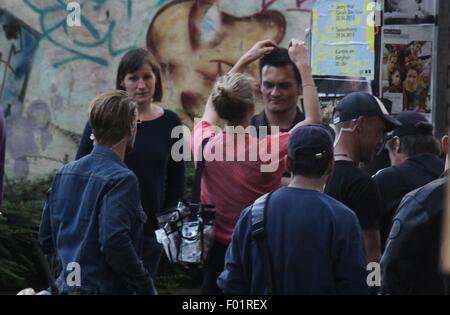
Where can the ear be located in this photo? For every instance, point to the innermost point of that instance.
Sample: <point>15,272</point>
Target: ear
<point>444,144</point>
<point>397,145</point>
<point>330,167</point>
<point>359,123</point>
<point>288,165</point>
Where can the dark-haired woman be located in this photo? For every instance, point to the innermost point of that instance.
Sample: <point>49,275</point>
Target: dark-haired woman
<point>161,177</point>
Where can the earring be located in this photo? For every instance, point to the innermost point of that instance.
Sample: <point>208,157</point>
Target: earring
<point>92,137</point>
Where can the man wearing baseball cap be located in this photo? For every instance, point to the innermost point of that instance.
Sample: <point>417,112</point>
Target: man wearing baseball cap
<point>414,154</point>
<point>314,242</point>
<point>361,121</point>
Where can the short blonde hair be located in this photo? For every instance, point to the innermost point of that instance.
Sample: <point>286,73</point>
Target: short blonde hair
<point>111,115</point>
<point>233,97</point>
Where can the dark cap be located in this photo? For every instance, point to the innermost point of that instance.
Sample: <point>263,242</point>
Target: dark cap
<point>413,123</point>
<point>310,142</point>
<point>358,104</point>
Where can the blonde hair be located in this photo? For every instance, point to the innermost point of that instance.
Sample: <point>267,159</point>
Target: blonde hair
<point>232,96</point>
<point>111,115</point>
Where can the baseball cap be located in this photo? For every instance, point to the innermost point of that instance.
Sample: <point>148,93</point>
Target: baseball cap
<point>413,123</point>
<point>358,104</point>
<point>310,142</point>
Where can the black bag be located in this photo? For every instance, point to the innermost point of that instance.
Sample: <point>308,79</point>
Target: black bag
<point>187,231</point>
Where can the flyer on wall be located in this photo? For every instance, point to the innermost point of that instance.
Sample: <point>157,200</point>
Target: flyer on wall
<point>406,67</point>
<point>409,11</point>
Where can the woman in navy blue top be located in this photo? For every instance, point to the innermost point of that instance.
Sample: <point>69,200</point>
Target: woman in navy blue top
<point>161,177</point>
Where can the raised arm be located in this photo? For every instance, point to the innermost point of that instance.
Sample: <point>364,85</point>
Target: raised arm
<point>256,52</point>
<point>300,56</point>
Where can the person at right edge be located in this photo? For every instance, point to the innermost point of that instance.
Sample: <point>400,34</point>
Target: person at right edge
<point>411,261</point>
<point>414,154</point>
<point>361,121</point>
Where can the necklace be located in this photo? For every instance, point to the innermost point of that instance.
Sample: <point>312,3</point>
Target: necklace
<point>346,156</point>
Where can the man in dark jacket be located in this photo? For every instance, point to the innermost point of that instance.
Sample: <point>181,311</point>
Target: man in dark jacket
<point>414,154</point>
<point>410,264</point>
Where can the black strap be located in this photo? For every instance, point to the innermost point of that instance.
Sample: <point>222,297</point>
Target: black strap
<point>258,212</point>
<point>198,174</point>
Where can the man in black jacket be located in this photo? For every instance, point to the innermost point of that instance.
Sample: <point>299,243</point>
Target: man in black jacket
<point>414,154</point>
<point>410,264</point>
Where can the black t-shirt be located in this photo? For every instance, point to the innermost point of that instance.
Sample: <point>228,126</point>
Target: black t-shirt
<point>358,191</point>
<point>396,181</point>
<point>260,120</point>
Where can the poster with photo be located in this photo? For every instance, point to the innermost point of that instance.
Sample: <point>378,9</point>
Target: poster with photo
<point>409,11</point>
<point>406,66</point>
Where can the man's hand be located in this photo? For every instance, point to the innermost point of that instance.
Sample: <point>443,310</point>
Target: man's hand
<point>258,50</point>
<point>299,53</point>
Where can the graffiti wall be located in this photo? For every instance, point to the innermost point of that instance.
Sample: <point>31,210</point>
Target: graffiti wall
<point>49,71</point>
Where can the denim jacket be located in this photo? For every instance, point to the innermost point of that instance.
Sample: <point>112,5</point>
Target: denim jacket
<point>93,217</point>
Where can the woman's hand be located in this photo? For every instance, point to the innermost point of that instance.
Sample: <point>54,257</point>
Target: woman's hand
<point>299,53</point>
<point>258,50</point>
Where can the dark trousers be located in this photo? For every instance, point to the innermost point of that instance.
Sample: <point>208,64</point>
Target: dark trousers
<point>214,267</point>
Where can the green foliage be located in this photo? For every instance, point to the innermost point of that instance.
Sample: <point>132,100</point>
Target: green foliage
<point>19,224</point>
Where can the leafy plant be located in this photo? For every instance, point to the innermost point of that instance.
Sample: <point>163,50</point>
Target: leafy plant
<point>19,224</point>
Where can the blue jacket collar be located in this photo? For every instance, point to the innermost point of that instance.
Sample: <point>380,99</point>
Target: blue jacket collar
<point>107,152</point>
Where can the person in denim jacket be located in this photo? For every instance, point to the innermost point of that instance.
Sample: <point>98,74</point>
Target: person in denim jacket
<point>92,218</point>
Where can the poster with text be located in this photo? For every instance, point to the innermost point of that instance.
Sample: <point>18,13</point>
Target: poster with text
<point>342,40</point>
<point>406,66</point>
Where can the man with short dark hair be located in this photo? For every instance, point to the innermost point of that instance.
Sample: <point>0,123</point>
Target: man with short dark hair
<point>361,120</point>
<point>314,242</point>
<point>92,217</point>
<point>411,261</point>
<point>281,85</point>
<point>414,154</point>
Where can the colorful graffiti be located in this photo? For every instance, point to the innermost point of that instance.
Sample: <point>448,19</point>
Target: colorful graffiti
<point>18,43</point>
<point>196,41</point>
<point>55,71</point>
<point>84,42</point>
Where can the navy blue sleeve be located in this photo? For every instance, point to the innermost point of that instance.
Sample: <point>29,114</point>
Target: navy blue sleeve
<point>233,279</point>
<point>175,175</point>
<point>399,261</point>
<point>119,213</point>
<point>86,144</point>
<point>350,272</point>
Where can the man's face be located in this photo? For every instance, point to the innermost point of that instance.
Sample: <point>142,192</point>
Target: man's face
<point>371,136</point>
<point>279,88</point>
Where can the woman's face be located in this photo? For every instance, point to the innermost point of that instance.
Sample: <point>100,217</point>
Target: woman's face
<point>392,63</point>
<point>411,77</point>
<point>140,85</point>
<point>396,78</point>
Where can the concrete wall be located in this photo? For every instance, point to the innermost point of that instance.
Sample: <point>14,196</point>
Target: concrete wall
<point>49,72</point>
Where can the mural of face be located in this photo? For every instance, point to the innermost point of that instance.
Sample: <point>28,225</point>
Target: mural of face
<point>193,57</point>
<point>279,89</point>
<point>140,85</point>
